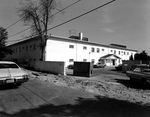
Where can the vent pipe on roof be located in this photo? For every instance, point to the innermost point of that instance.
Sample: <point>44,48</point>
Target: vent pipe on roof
<point>80,36</point>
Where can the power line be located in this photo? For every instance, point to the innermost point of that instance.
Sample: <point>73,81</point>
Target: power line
<point>21,18</point>
<point>79,15</point>
<point>51,16</point>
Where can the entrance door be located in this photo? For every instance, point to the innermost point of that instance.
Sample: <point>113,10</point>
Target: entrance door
<point>113,61</point>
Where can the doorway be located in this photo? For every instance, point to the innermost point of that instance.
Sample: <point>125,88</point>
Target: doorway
<point>113,62</point>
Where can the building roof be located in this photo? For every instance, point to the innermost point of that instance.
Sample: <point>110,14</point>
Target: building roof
<point>77,41</point>
<point>90,43</point>
<point>110,55</point>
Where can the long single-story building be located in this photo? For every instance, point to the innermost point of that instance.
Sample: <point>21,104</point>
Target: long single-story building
<point>74,48</point>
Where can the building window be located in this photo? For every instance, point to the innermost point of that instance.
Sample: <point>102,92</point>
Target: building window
<point>98,50</point>
<point>84,60</point>
<point>119,52</point>
<point>22,48</point>
<point>31,46</point>
<point>71,60</point>
<point>19,49</point>
<point>34,46</point>
<point>111,50</point>
<point>103,49</point>
<point>114,51</point>
<point>124,53</point>
<point>26,48</point>
<point>92,49</point>
<point>84,48</point>
<point>127,53</point>
<point>71,46</point>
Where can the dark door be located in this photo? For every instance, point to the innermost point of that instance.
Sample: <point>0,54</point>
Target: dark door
<point>113,61</point>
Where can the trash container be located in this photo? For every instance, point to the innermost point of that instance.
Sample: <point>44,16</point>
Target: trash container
<point>84,69</point>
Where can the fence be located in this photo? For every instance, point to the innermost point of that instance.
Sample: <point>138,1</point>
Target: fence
<point>49,66</point>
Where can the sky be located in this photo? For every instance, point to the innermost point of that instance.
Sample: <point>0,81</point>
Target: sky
<point>125,22</point>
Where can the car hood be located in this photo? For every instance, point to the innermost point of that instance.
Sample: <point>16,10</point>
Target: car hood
<point>11,72</point>
<point>17,72</point>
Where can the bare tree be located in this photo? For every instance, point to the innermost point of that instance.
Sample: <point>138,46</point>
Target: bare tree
<point>38,15</point>
<point>3,37</point>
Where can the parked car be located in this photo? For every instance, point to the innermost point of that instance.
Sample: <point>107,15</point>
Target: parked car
<point>99,65</point>
<point>10,72</point>
<point>140,73</point>
<point>119,67</point>
<point>70,66</point>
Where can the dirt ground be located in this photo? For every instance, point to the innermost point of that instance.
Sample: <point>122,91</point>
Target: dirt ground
<point>99,87</point>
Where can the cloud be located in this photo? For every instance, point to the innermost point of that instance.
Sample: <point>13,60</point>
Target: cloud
<point>107,18</point>
<point>108,30</point>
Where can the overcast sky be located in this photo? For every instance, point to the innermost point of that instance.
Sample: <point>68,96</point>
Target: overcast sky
<point>125,22</point>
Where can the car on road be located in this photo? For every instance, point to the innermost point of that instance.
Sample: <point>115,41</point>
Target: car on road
<point>140,73</point>
<point>10,72</point>
<point>99,65</point>
<point>70,66</point>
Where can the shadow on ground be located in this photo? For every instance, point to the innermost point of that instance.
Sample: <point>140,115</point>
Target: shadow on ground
<point>98,107</point>
<point>130,84</point>
<point>8,86</point>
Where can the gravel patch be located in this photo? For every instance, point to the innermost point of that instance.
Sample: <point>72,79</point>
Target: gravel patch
<point>99,87</point>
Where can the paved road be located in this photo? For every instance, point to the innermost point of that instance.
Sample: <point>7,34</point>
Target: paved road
<point>108,73</point>
<point>34,96</point>
<point>41,99</point>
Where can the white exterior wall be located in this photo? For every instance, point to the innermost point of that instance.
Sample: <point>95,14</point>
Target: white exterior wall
<point>57,49</point>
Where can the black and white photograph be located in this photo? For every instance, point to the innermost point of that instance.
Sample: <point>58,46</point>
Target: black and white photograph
<point>74,58</point>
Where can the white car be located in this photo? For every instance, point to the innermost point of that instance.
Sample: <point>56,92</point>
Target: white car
<point>10,72</point>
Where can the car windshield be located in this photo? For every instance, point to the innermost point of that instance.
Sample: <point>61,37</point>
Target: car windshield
<point>6,65</point>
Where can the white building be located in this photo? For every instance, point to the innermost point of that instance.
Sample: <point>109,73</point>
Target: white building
<point>69,50</point>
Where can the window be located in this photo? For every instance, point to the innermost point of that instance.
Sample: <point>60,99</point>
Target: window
<point>111,50</point>
<point>71,60</point>
<point>124,53</point>
<point>31,46</point>
<point>114,51</point>
<point>26,48</point>
<point>127,53</point>
<point>20,49</point>
<point>5,65</point>
<point>71,46</point>
<point>103,49</point>
<point>137,70</point>
<point>119,52</point>
<point>34,46</point>
<point>98,50</point>
<point>84,60</point>
<point>84,48</point>
<point>13,50</point>
<point>92,49</point>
